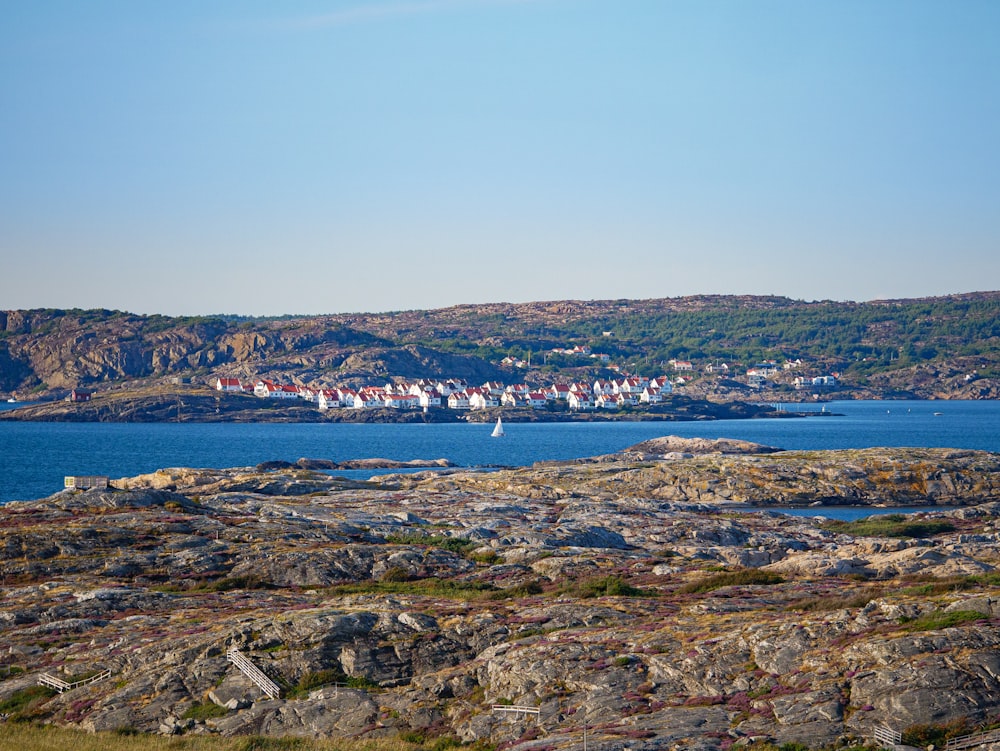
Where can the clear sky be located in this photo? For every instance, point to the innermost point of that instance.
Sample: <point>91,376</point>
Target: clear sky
<point>242,156</point>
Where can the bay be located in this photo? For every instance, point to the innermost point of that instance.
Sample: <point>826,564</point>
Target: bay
<point>34,457</point>
<point>845,513</point>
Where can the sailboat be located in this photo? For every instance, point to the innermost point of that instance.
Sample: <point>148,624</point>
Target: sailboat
<point>498,430</point>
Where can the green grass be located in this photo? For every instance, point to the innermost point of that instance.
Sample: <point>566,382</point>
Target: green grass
<point>454,544</point>
<point>938,734</point>
<point>224,584</point>
<point>743,577</point>
<point>311,681</point>
<point>942,619</point>
<point>608,586</point>
<point>890,525</point>
<point>433,587</point>
<point>204,711</point>
<point>836,601</point>
<point>24,736</point>
<point>22,705</point>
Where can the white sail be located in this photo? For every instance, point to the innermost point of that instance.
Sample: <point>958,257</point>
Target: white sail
<point>498,430</point>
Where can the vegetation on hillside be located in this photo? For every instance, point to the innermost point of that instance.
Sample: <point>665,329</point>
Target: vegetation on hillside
<point>52,349</point>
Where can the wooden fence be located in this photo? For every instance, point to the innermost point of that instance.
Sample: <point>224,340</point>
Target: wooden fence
<point>46,679</point>
<point>516,710</point>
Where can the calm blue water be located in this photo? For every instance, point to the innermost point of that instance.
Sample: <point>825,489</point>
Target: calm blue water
<point>850,513</point>
<point>34,457</point>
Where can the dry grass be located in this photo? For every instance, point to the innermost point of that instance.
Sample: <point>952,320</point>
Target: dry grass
<point>17,736</point>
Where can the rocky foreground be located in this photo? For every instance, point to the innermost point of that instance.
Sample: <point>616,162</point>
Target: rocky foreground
<point>637,596</point>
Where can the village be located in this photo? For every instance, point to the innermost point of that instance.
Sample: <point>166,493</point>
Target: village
<point>458,394</point>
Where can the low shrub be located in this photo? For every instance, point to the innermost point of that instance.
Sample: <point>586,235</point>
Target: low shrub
<point>820,603</point>
<point>24,704</point>
<point>609,586</point>
<point>935,733</point>
<point>311,681</point>
<point>890,525</point>
<point>204,711</point>
<point>454,544</point>
<point>942,619</point>
<point>742,577</point>
<point>432,587</point>
<point>264,743</point>
<point>528,589</point>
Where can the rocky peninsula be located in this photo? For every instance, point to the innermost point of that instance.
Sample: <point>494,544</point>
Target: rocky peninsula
<point>642,598</point>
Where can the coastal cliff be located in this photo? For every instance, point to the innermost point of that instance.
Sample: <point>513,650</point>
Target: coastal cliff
<point>422,605</point>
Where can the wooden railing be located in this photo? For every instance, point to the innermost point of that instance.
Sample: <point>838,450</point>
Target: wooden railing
<point>515,709</point>
<point>255,674</point>
<point>973,740</point>
<point>45,679</point>
<point>887,736</point>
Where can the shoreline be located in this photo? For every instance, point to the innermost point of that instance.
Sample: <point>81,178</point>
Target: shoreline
<point>202,406</point>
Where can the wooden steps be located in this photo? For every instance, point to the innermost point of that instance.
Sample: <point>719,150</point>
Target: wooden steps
<point>255,674</point>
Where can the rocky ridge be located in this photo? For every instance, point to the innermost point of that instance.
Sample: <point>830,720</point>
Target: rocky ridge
<point>418,603</point>
<point>931,348</point>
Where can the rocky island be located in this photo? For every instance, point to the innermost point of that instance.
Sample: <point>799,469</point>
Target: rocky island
<point>643,599</point>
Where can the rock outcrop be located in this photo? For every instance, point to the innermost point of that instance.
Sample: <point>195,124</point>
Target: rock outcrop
<point>417,604</point>
<point>705,472</point>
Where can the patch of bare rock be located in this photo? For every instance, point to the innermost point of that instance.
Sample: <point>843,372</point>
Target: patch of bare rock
<point>605,595</point>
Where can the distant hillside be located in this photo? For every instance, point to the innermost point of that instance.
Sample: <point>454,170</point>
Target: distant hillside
<point>945,346</point>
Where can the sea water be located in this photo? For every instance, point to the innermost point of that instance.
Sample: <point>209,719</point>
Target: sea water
<point>34,457</point>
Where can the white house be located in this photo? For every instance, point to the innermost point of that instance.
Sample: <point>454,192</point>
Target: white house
<point>510,399</point>
<point>518,388</point>
<point>606,401</point>
<point>483,400</point>
<point>458,400</point>
<point>493,387</point>
<point>450,386</point>
<point>826,381</point>
<point>662,383</point>
<point>651,395</point>
<point>767,368</point>
<point>271,390</point>
<point>328,399</point>
<point>401,401</point>
<point>627,399</point>
<point>681,365</point>
<point>429,398</point>
<point>602,387</point>
<point>631,385</point>
<point>580,401</point>
<point>264,389</point>
<point>536,399</point>
<point>228,384</point>
<point>368,399</point>
<point>559,391</point>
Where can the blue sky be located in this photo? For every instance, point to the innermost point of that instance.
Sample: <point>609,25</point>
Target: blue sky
<point>263,158</point>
